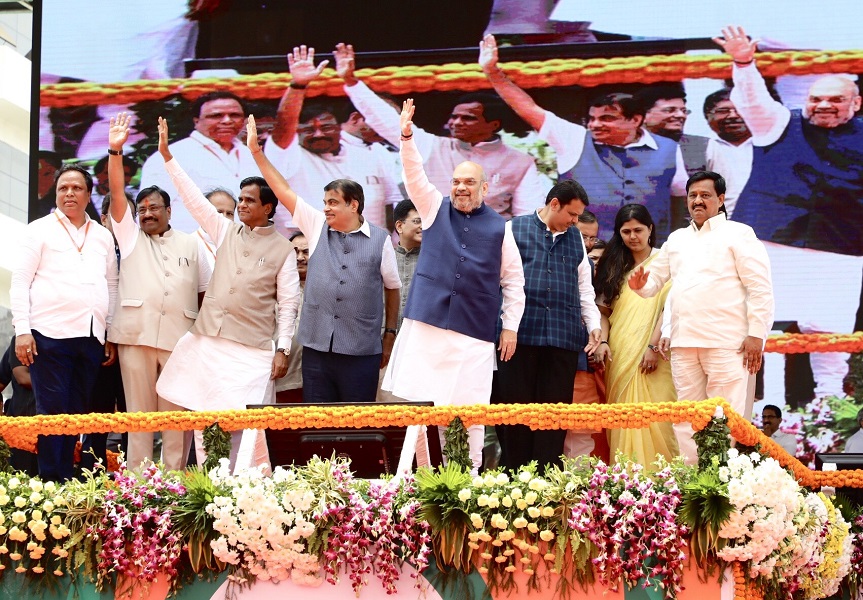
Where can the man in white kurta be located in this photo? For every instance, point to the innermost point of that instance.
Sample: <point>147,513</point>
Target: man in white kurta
<point>211,155</point>
<point>228,359</point>
<point>431,362</point>
<point>721,303</point>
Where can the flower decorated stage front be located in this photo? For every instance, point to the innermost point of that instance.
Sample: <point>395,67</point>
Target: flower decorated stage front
<point>622,531</point>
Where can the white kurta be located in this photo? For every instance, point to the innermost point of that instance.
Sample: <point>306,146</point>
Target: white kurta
<point>212,373</point>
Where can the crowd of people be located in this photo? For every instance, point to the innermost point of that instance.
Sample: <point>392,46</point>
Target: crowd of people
<point>498,289</point>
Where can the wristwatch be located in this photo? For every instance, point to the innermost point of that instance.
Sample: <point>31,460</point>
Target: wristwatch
<point>652,347</point>
<point>390,330</point>
<point>284,351</point>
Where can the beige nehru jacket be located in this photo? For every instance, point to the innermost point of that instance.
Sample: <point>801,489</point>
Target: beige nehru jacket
<point>157,300</point>
<point>240,304</point>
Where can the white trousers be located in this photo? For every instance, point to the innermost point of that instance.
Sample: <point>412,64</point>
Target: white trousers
<point>702,373</point>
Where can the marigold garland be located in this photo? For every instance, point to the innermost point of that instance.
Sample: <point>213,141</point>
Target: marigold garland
<point>800,343</point>
<point>590,72</point>
<point>21,432</point>
<point>743,588</point>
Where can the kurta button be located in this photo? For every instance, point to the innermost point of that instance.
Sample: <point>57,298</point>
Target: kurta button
<point>549,270</point>
<point>245,253</point>
<point>226,311</point>
<point>164,258</point>
<point>162,242</point>
<point>338,299</point>
<point>231,291</point>
<point>547,289</point>
<point>239,271</point>
<point>453,292</point>
<point>163,313</point>
<point>336,317</point>
<point>457,276</point>
<point>167,274</point>
<point>547,308</point>
<point>466,229</point>
<point>344,266</point>
<point>346,251</point>
<point>464,245</point>
<point>461,259</point>
<point>547,234</point>
<point>468,216</point>
<point>341,283</point>
<point>629,182</point>
<point>166,293</point>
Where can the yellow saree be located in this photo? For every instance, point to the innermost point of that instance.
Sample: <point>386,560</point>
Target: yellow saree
<point>632,322</point>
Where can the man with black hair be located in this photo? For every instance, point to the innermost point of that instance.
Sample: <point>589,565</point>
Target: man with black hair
<point>771,420</point>
<point>62,296</point>
<point>410,229</point>
<point>228,359</point>
<point>551,336</point>
<point>721,302</point>
<point>100,179</point>
<point>589,228</point>
<point>515,186</point>
<point>44,200</point>
<point>615,158</point>
<point>665,114</point>
<point>351,286</point>
<point>212,154</point>
<point>730,152</point>
<point>310,148</point>
<point>163,275</point>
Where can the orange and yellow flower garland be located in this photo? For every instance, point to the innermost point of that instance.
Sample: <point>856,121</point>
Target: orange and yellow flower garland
<point>800,343</point>
<point>461,77</point>
<point>743,589</point>
<point>21,432</point>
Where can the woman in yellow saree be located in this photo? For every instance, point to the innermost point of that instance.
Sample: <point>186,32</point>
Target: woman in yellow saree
<point>635,370</point>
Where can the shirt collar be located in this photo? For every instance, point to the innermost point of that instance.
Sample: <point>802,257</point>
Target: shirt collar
<point>719,140</point>
<point>402,250</point>
<point>268,229</point>
<point>210,143</point>
<point>542,224</point>
<point>710,224</point>
<point>65,219</point>
<point>644,140</point>
<point>363,228</point>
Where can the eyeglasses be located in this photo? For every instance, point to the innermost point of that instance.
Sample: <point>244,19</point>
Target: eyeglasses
<point>673,109</point>
<point>143,210</point>
<point>218,116</point>
<point>418,221</point>
<point>724,112</point>
<point>590,238</point>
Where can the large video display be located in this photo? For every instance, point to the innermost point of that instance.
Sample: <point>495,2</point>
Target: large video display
<point>627,100</point>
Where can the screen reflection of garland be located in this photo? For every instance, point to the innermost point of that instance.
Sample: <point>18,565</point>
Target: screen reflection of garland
<point>461,77</point>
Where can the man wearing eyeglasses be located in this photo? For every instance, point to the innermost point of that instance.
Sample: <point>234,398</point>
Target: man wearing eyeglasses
<point>310,149</point>
<point>163,275</point>
<point>212,155</point>
<point>665,114</point>
<point>730,152</point>
<point>614,157</point>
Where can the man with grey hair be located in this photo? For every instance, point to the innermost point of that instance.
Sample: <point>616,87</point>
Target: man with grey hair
<point>854,445</point>
<point>804,197</point>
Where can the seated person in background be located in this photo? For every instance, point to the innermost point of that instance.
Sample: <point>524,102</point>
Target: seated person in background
<point>854,445</point>
<point>21,404</point>
<point>771,419</point>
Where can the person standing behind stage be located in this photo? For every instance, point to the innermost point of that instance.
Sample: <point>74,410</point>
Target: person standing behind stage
<point>228,359</point>
<point>290,387</point>
<point>162,274</point>
<point>551,335</point>
<point>226,205</point>
<point>631,326</point>
<point>63,290</point>
<point>721,302</point>
<point>352,267</point>
<point>445,349</point>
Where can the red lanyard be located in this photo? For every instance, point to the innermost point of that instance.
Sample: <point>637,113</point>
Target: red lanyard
<point>71,239</point>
